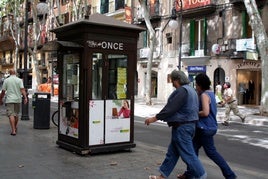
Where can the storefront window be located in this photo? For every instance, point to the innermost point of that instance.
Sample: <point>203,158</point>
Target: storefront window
<point>69,107</point>
<point>71,77</point>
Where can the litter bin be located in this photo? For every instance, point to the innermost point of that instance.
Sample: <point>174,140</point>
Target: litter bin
<point>41,107</point>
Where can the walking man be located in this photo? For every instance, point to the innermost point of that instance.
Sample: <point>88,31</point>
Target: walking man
<point>230,104</point>
<point>13,88</point>
<point>181,114</point>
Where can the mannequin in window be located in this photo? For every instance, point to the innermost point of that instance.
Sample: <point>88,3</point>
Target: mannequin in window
<point>251,88</point>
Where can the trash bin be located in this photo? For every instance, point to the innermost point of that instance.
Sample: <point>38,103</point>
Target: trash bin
<point>41,107</point>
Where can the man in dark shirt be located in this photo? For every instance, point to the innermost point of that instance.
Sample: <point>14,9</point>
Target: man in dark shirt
<point>181,113</point>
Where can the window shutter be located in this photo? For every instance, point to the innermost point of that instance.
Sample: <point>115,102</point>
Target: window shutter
<point>205,36</point>
<point>192,38</point>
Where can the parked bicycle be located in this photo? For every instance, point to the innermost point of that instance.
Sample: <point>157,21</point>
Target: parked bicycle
<point>55,118</point>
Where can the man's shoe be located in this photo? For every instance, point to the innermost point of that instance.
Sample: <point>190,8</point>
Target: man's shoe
<point>225,123</point>
<point>243,119</point>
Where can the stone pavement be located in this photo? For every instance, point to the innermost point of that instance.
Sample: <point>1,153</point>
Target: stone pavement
<point>33,154</point>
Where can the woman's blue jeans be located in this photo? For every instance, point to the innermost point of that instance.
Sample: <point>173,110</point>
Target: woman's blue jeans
<point>204,138</point>
<point>181,146</point>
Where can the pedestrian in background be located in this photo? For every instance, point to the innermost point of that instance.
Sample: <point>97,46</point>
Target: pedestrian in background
<point>218,92</point>
<point>181,114</point>
<point>230,104</point>
<point>207,127</point>
<point>13,88</point>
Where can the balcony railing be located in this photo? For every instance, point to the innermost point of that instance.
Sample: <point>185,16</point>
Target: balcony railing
<point>198,49</point>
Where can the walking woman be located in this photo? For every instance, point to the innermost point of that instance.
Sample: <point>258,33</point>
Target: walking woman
<point>207,127</point>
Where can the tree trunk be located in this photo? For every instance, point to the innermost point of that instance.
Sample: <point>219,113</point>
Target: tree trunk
<point>152,40</point>
<point>262,43</point>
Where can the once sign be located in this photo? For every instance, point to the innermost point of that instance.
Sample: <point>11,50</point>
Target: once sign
<point>106,45</point>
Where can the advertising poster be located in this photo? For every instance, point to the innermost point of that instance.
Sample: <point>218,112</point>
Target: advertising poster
<point>117,121</point>
<point>96,122</point>
<point>121,83</point>
<point>69,120</point>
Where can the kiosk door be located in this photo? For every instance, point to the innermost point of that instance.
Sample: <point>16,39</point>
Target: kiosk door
<point>109,109</point>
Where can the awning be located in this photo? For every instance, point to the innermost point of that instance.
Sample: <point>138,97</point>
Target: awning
<point>195,60</point>
<point>55,45</point>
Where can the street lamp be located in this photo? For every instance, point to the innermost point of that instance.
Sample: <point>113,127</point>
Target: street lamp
<point>25,107</point>
<point>174,25</point>
<point>42,8</point>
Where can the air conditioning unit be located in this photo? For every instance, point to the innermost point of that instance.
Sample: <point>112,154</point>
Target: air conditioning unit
<point>199,53</point>
<point>144,52</point>
<point>139,13</point>
<point>156,54</point>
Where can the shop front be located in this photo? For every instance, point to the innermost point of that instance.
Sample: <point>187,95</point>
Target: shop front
<point>97,65</point>
<point>249,82</point>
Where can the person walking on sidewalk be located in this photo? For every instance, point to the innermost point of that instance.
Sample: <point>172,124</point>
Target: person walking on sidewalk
<point>181,114</point>
<point>230,104</point>
<point>207,127</point>
<point>13,88</point>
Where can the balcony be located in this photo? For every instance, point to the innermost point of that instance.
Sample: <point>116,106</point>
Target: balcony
<point>154,12</point>
<point>200,54</point>
<point>6,63</point>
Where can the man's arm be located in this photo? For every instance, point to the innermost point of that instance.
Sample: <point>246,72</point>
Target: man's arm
<point>23,92</point>
<point>1,96</point>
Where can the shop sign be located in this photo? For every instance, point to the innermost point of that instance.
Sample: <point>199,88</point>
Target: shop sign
<point>196,68</point>
<point>252,55</point>
<point>190,4</point>
<point>245,44</point>
<point>250,64</point>
<point>106,45</point>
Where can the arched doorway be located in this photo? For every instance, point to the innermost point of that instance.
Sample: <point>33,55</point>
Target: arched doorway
<point>154,84</point>
<point>219,76</point>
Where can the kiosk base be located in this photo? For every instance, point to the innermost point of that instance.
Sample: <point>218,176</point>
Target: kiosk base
<point>95,149</point>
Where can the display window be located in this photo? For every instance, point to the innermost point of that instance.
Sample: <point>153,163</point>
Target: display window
<point>69,105</point>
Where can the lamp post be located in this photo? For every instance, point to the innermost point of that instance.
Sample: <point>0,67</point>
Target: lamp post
<point>25,107</point>
<point>174,24</point>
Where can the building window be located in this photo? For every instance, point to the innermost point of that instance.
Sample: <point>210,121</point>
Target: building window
<point>246,28</point>
<point>63,2</point>
<point>66,18</point>
<point>145,39</point>
<point>169,38</point>
<point>104,8</point>
<point>198,37</point>
<point>154,7</point>
<point>119,4</point>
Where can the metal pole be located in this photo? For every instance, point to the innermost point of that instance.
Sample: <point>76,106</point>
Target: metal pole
<point>25,107</point>
<point>52,77</point>
<point>179,66</point>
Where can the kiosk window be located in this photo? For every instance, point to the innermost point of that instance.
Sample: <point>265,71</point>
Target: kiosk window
<point>97,63</point>
<point>71,77</point>
<point>117,77</point>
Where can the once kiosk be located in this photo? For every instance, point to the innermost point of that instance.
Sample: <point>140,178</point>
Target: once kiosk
<point>97,70</point>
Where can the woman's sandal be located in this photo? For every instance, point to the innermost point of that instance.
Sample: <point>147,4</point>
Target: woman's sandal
<point>13,134</point>
<point>181,176</point>
<point>155,177</point>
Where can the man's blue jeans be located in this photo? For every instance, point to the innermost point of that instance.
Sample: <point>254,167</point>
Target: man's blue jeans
<point>204,138</point>
<point>181,145</point>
